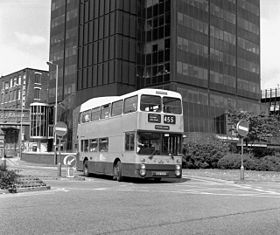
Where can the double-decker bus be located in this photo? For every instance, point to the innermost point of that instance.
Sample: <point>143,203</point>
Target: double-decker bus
<point>138,134</point>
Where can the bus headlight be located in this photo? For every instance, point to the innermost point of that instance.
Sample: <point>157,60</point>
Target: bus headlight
<point>142,170</point>
<point>178,170</point>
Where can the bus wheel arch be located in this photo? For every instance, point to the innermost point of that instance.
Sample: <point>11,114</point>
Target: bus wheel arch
<point>117,170</point>
<point>85,167</point>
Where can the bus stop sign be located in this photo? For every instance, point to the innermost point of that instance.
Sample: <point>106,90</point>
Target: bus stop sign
<point>60,129</point>
<point>242,128</point>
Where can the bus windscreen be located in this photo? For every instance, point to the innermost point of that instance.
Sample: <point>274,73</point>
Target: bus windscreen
<point>172,105</point>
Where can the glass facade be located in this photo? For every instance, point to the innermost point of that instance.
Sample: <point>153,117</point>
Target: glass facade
<point>63,48</point>
<point>107,43</point>
<point>39,121</point>
<point>64,53</point>
<point>217,60</point>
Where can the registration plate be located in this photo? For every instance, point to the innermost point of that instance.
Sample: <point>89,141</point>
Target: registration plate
<point>161,173</point>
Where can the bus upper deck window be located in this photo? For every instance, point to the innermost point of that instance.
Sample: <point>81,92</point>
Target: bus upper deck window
<point>172,105</point>
<point>150,103</point>
<point>130,104</point>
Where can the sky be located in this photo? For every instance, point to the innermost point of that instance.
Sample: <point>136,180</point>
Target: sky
<point>25,36</point>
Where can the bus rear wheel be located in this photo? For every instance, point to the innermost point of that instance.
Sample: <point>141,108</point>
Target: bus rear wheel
<point>85,168</point>
<point>118,171</point>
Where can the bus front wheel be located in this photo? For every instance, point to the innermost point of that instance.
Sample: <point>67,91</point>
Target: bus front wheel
<point>118,171</point>
<point>86,172</point>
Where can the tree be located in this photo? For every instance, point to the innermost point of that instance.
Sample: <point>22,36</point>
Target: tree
<point>262,126</point>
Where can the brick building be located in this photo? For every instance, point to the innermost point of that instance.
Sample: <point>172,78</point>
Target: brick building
<point>18,91</point>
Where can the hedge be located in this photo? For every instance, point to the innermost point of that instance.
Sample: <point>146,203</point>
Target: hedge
<point>233,161</point>
<point>216,155</point>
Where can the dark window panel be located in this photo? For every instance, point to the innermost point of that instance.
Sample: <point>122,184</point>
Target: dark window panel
<point>119,22</point>
<point>89,77</point>
<point>86,9</point>
<point>126,21</point>
<point>86,34</point>
<point>90,40</point>
<point>95,52</point>
<point>94,76</point>
<point>100,75</point>
<point>119,4</point>
<point>125,72</point>
<point>84,78</point>
<point>118,47</point>
<point>101,28</point>
<point>112,48</point>
<point>95,35</point>
<point>132,54</point>
<point>105,73</point>
<point>96,7</point>
<point>81,35</point>
<point>107,6</point>
<point>125,48</point>
<point>106,26</point>
<point>85,57</point>
<point>126,6</point>
<point>132,74</point>
<point>90,55</point>
<point>80,62</point>
<point>91,11</point>
<point>106,49</point>
<point>100,52</point>
<point>111,71</point>
<point>112,23</point>
<point>118,71</point>
<point>113,5</point>
<point>101,7</point>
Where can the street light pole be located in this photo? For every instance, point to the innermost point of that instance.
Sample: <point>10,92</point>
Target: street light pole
<point>55,115</point>
<point>21,113</point>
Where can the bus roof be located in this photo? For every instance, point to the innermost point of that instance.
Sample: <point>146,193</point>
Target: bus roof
<point>99,101</point>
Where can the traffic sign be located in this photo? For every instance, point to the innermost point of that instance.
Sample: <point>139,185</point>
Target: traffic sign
<point>60,129</point>
<point>242,128</point>
<point>70,160</point>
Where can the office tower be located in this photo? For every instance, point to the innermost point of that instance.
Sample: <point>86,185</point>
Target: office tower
<point>208,50</point>
<point>63,53</point>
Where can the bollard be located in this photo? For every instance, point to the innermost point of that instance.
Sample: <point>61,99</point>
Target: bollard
<point>242,173</point>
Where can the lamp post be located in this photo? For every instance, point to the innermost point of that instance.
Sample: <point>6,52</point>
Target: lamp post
<point>21,114</point>
<point>55,115</point>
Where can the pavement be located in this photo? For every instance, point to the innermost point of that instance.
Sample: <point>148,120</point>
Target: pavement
<point>43,171</point>
<point>32,175</point>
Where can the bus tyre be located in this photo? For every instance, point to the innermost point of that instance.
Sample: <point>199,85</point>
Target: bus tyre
<point>118,171</point>
<point>86,173</point>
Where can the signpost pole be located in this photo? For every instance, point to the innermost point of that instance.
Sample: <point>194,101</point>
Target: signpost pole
<point>242,160</point>
<point>60,131</point>
<point>59,159</point>
<point>242,128</point>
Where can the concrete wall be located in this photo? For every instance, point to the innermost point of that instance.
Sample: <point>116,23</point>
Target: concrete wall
<point>42,158</point>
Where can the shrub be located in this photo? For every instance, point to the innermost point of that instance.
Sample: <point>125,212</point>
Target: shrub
<point>233,161</point>
<point>7,178</point>
<point>204,155</point>
<point>262,152</point>
<point>269,163</point>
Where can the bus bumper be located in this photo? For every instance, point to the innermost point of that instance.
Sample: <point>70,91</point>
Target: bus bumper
<point>159,171</point>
